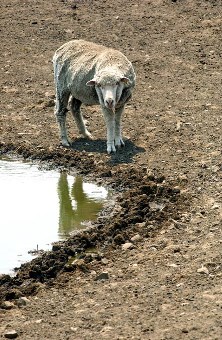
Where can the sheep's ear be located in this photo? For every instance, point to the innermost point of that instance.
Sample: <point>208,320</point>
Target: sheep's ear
<point>125,80</point>
<point>91,82</point>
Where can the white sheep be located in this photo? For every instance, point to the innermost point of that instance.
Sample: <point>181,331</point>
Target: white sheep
<point>92,74</point>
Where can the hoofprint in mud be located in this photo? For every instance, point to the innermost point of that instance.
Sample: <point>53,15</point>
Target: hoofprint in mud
<point>92,74</point>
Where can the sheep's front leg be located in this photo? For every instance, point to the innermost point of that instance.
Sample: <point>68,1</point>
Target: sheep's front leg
<point>60,112</point>
<point>109,117</point>
<point>118,136</point>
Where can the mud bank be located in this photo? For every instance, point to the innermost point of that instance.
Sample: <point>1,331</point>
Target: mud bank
<point>144,201</point>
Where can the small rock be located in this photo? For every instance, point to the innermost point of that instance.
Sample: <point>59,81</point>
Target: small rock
<point>104,261</point>
<point>11,334</point>
<point>50,94</point>
<point>102,276</point>
<point>78,262</point>
<point>155,206</point>
<point>215,168</point>
<point>215,206</point>
<point>7,305</point>
<point>127,245</point>
<point>203,270</point>
<point>183,178</point>
<point>184,330</point>
<point>172,265</point>
<point>119,239</point>
<point>174,248</point>
<point>141,225</point>
<point>135,238</point>
<point>178,126</point>
<point>38,321</point>
<point>73,329</point>
<point>23,301</point>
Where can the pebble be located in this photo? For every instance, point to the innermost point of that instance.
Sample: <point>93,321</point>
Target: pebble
<point>78,262</point>
<point>155,206</point>
<point>105,261</point>
<point>102,276</point>
<point>39,321</point>
<point>7,305</point>
<point>172,265</point>
<point>23,301</point>
<point>203,270</point>
<point>215,206</point>
<point>135,238</point>
<point>127,245</point>
<point>11,334</point>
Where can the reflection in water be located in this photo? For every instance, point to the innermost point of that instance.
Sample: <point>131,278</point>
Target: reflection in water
<point>39,207</point>
<point>75,205</point>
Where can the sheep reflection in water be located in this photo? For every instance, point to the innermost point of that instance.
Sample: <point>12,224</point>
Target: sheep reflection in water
<point>75,205</point>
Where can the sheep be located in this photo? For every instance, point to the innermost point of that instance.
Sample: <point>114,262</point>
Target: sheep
<point>92,74</point>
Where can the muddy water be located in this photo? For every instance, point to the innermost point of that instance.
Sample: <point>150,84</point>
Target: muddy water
<point>40,207</point>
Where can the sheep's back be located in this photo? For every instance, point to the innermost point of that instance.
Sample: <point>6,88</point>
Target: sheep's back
<point>78,62</point>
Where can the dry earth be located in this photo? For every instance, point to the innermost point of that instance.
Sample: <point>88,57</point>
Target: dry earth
<point>165,284</point>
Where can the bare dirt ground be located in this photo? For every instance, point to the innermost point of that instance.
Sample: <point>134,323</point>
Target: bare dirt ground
<point>167,179</point>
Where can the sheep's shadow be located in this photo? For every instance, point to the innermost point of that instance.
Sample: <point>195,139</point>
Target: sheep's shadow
<point>123,155</point>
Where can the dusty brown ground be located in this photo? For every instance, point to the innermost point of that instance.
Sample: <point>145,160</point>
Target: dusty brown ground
<point>168,285</point>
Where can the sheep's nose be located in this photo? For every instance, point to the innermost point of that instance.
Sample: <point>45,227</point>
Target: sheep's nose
<point>109,102</point>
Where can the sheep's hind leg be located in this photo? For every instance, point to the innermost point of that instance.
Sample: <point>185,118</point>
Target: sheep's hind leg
<point>60,112</point>
<point>75,105</point>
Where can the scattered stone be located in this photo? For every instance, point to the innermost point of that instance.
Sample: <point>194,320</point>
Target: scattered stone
<point>73,329</point>
<point>23,301</point>
<point>184,330</point>
<point>104,261</point>
<point>50,94</point>
<point>11,334</point>
<point>172,265</point>
<point>215,168</point>
<point>102,276</point>
<point>183,178</point>
<point>174,248</point>
<point>136,238</point>
<point>155,206</point>
<point>203,270</point>
<point>215,206</point>
<point>178,126</point>
<point>7,305</point>
<point>119,239</point>
<point>141,225</point>
<point>38,321</point>
<point>127,245</point>
<point>78,262</point>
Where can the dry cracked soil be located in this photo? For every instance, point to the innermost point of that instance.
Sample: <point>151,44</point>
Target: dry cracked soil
<point>155,272</point>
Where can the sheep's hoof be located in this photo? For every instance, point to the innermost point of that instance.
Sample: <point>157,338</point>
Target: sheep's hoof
<point>88,135</point>
<point>119,142</point>
<point>111,148</point>
<point>66,143</point>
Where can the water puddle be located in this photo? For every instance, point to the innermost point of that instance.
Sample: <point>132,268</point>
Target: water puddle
<point>40,207</point>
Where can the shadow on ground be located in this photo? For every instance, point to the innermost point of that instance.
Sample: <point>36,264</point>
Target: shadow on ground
<point>123,155</point>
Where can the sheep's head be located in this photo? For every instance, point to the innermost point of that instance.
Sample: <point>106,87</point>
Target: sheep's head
<point>109,85</point>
